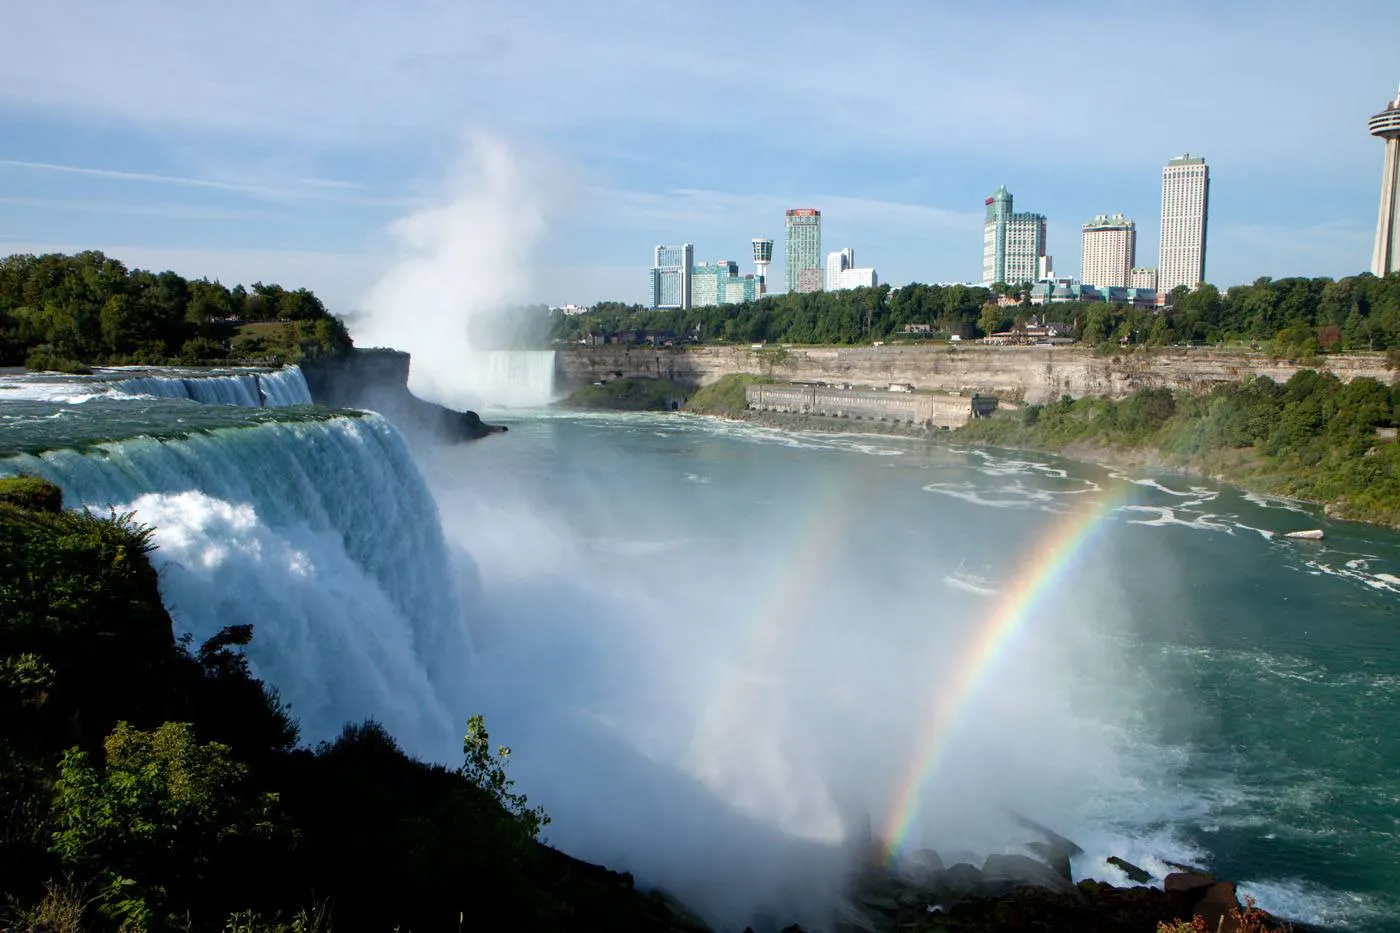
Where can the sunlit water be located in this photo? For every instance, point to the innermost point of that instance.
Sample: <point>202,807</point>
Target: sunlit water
<point>720,651</point>
<point>1217,693</point>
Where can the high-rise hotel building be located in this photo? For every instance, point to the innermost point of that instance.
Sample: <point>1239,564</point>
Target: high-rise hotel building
<point>1013,245</point>
<point>1185,199</point>
<point>1109,252</point>
<point>803,253</point>
<point>671,270</point>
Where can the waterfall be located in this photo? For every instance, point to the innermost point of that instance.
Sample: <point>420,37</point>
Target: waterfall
<point>519,378</point>
<point>284,387</point>
<point>320,534</point>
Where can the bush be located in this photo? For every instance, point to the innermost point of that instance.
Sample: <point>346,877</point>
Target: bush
<point>44,359</point>
<point>31,492</point>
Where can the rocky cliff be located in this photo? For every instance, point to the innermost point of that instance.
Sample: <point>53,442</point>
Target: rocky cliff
<point>378,380</point>
<point>1035,374</point>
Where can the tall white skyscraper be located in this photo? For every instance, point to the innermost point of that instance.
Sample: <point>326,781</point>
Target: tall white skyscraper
<point>1385,258</point>
<point>1109,251</point>
<point>1185,202</point>
<point>1025,248</point>
<point>671,270</point>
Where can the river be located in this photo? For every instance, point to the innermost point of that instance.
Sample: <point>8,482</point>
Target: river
<point>725,654</point>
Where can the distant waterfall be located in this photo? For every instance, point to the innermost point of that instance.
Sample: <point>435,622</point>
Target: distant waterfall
<point>320,534</point>
<point>519,378</point>
<point>284,387</point>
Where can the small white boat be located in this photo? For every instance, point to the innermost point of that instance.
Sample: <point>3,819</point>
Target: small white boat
<point>1312,534</point>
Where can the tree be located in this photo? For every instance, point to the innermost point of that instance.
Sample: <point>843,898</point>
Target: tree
<point>990,319</point>
<point>488,773</point>
<point>163,814</point>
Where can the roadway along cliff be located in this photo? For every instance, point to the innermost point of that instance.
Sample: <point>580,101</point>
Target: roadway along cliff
<point>1033,374</point>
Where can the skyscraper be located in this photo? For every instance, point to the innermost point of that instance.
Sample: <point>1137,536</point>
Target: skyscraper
<point>1013,245</point>
<point>762,256</point>
<point>1109,253</point>
<point>1025,248</point>
<point>994,236</point>
<point>670,276</point>
<point>804,250</point>
<point>1385,258</point>
<point>1185,199</point>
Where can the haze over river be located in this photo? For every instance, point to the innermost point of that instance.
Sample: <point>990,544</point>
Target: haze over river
<point>1184,683</point>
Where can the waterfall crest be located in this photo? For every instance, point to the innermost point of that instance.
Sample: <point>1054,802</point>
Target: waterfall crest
<point>320,534</point>
<point>277,389</point>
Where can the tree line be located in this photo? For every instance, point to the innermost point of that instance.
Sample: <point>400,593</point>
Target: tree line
<point>1313,437</point>
<point>62,311</point>
<point>1296,316</point>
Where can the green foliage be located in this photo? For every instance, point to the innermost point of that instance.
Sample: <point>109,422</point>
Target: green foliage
<point>488,773</point>
<point>1313,437</point>
<point>1293,318</point>
<point>858,315</point>
<point>630,394</point>
<point>30,492</point>
<point>44,359</point>
<point>725,396</point>
<point>58,312</point>
<point>161,823</point>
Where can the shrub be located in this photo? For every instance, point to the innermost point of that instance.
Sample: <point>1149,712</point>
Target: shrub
<point>44,359</point>
<point>31,492</point>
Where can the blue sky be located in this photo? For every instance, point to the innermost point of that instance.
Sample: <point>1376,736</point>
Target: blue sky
<point>282,141</point>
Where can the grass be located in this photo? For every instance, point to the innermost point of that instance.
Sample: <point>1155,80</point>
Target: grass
<point>630,394</point>
<point>725,396</point>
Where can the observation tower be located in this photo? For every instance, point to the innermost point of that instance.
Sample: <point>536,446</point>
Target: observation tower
<point>762,256</point>
<point>1386,256</point>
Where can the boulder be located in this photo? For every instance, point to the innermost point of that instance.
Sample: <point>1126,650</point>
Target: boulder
<point>1135,874</point>
<point>1054,856</point>
<point>920,867</point>
<point>1216,907</point>
<point>1005,872</point>
<point>1184,891</point>
<point>960,880</point>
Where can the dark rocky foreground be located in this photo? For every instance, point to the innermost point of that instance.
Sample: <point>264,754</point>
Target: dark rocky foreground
<point>377,380</point>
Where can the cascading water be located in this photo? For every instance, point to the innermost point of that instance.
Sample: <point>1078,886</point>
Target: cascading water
<point>251,390</point>
<point>519,378</point>
<point>286,386</point>
<point>320,534</point>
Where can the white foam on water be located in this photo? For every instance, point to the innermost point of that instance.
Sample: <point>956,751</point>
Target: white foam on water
<point>1166,515</point>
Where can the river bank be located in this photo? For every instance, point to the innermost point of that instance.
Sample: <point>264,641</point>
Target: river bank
<point>1314,439</point>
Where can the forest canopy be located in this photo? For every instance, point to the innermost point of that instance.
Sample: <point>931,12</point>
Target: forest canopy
<point>60,312</point>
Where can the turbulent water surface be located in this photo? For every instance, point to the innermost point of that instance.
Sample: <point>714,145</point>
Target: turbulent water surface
<point>721,653</point>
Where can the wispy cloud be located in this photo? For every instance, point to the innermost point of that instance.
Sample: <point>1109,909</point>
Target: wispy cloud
<point>318,189</point>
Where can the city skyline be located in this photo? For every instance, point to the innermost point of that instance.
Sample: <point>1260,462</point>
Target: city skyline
<point>172,141</point>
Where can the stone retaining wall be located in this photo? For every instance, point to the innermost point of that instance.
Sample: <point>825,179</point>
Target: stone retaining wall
<point>1035,374</point>
<point>909,408</point>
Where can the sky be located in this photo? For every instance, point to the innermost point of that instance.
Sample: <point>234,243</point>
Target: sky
<point>289,141</point>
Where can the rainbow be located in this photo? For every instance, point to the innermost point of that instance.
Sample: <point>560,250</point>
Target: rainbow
<point>1054,554</point>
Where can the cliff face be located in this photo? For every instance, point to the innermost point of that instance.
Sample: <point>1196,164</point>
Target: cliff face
<point>1035,374</point>
<point>378,380</point>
